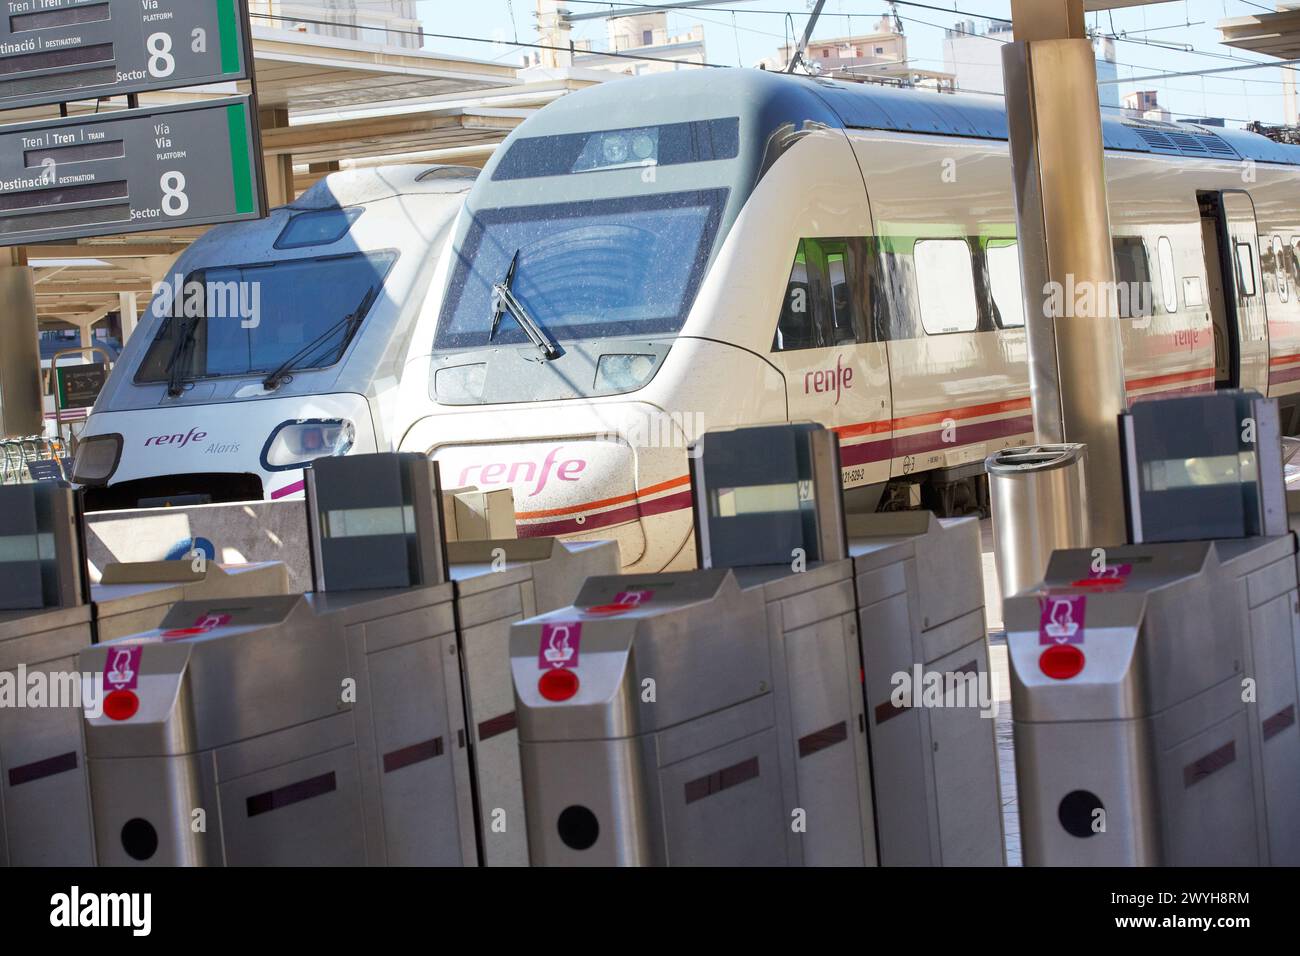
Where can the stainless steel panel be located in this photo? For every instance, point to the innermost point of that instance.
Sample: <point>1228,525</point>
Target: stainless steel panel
<point>297,830</point>
<point>162,793</point>
<point>44,800</point>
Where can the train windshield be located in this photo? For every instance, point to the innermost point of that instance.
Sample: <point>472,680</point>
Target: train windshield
<point>585,270</point>
<point>252,319</point>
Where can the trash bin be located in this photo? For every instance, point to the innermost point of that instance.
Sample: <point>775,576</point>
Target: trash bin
<point>1039,502</point>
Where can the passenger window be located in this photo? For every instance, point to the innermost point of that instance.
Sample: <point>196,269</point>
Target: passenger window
<point>1133,275</point>
<point>1003,257</point>
<point>1279,267</point>
<point>1245,270</point>
<point>1168,288</point>
<point>827,297</point>
<point>945,285</point>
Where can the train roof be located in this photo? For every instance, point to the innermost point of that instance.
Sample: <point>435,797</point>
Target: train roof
<point>357,186</point>
<point>765,96</point>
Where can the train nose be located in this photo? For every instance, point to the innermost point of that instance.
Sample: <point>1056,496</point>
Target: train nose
<point>584,488</point>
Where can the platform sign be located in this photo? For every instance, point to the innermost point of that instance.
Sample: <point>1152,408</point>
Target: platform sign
<point>79,385</point>
<point>130,171</point>
<point>52,51</point>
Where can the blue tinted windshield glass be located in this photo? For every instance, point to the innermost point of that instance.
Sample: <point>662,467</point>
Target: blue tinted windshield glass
<point>251,319</point>
<point>586,270</point>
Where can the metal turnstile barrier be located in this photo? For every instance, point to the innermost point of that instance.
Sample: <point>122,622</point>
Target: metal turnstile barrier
<point>1155,685</point>
<point>718,717</point>
<point>1134,746</point>
<point>131,598</point>
<point>498,583</point>
<point>321,729</point>
<point>710,717</point>
<point>331,728</point>
<point>929,692</point>
<point>45,618</point>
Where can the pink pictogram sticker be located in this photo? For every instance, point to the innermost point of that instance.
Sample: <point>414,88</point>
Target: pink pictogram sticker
<point>559,648</point>
<point>212,621</point>
<point>123,670</point>
<point>635,598</point>
<point>1062,619</point>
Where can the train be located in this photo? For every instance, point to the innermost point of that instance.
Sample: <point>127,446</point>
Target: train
<point>653,257</point>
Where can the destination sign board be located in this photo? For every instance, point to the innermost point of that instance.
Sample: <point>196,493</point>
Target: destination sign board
<point>130,171</point>
<point>52,51</point>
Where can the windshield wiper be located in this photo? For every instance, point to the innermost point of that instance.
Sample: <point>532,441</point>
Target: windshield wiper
<point>503,301</point>
<point>180,357</point>
<point>348,323</point>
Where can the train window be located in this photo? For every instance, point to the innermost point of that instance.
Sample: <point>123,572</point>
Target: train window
<point>674,144</point>
<point>1168,284</point>
<point>945,285</point>
<point>1279,268</point>
<point>250,319</point>
<point>1245,269</point>
<point>824,304</point>
<point>321,227</point>
<point>1133,275</point>
<point>1003,256</point>
<point>1295,257</point>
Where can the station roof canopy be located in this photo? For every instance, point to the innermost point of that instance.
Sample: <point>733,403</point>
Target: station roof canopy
<point>1273,34</point>
<point>301,71</point>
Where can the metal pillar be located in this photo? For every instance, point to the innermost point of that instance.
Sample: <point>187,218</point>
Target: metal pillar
<point>1076,364</point>
<point>22,410</point>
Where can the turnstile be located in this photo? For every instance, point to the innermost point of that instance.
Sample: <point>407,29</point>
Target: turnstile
<point>498,583</point>
<point>710,717</point>
<point>1155,685</point>
<point>930,696</point>
<point>131,598</point>
<point>331,728</point>
<point>44,802</point>
<point>326,728</point>
<point>1155,723</point>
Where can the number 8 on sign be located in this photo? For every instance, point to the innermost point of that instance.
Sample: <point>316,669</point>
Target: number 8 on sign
<point>161,61</point>
<point>174,201</point>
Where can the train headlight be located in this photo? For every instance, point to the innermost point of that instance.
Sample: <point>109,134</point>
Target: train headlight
<point>624,373</point>
<point>97,458</point>
<point>461,385</point>
<point>294,444</point>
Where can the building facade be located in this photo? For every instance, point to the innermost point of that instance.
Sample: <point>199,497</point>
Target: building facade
<point>974,55</point>
<point>386,22</point>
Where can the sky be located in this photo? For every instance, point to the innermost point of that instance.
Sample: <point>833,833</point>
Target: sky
<point>745,32</point>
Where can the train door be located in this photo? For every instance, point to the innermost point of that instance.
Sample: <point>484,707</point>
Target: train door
<point>1230,238</point>
<point>835,366</point>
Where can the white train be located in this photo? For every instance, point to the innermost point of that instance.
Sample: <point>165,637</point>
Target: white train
<point>653,257</point>
<point>273,343</point>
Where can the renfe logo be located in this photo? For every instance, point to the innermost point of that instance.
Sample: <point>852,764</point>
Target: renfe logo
<point>516,472</point>
<point>828,380</point>
<point>180,441</point>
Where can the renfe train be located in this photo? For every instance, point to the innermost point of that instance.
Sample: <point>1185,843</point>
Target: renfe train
<point>653,257</point>
<point>272,343</point>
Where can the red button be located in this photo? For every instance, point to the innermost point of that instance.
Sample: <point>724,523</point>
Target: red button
<point>121,705</point>
<point>559,684</point>
<point>183,632</point>
<point>621,608</point>
<point>1061,661</point>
